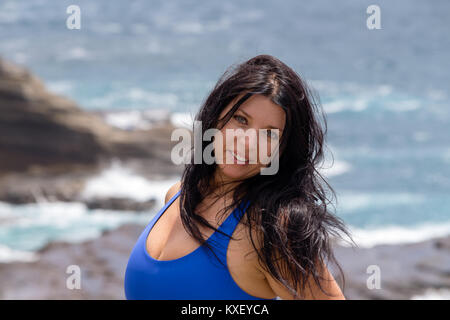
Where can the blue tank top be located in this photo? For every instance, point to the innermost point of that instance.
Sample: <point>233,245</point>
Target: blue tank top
<point>197,275</point>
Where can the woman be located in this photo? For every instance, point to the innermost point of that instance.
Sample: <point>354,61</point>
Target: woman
<point>233,232</point>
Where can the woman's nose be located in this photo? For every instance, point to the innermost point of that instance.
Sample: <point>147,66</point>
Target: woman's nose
<point>247,141</point>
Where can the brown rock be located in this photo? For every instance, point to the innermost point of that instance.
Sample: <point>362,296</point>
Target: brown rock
<point>49,145</point>
<point>42,131</point>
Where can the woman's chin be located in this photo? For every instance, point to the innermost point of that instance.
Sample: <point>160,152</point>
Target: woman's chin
<point>235,171</point>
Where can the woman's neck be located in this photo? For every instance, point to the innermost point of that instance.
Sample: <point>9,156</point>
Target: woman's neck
<point>222,186</point>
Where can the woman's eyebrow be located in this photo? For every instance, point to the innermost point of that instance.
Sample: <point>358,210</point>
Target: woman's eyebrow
<point>271,127</point>
<point>246,114</point>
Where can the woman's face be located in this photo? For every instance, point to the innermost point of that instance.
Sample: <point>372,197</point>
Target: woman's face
<point>257,112</point>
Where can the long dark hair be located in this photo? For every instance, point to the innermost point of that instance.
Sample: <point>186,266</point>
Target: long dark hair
<point>289,208</point>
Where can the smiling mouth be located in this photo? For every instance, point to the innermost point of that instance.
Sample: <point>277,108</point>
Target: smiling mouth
<point>238,158</point>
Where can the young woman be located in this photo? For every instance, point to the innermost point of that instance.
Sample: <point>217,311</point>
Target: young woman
<point>227,231</point>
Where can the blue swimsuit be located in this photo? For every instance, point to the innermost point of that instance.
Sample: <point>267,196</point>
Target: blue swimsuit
<point>197,275</point>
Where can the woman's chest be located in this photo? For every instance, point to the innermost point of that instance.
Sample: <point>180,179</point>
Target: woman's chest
<point>168,240</point>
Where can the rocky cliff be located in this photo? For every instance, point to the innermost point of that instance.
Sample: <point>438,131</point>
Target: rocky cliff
<point>49,145</point>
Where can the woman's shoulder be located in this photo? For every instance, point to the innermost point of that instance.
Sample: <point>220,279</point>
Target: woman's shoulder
<point>172,191</point>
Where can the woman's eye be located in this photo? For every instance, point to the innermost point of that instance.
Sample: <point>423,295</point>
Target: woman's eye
<point>240,119</point>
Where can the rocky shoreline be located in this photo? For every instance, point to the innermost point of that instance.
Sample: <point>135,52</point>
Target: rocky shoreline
<point>50,146</point>
<point>407,270</point>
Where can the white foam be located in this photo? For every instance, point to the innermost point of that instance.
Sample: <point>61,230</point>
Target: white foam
<point>127,120</point>
<point>119,181</point>
<point>138,97</point>
<point>8,255</point>
<point>182,119</point>
<point>35,225</point>
<point>27,228</point>
<point>354,97</point>
<point>349,88</point>
<point>199,27</point>
<point>340,105</point>
<point>60,87</point>
<point>137,119</point>
<point>75,53</point>
<point>403,105</point>
<point>433,294</point>
<point>367,238</point>
<point>350,202</point>
<point>332,165</point>
<point>334,169</point>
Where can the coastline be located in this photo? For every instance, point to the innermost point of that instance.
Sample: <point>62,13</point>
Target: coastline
<point>407,270</point>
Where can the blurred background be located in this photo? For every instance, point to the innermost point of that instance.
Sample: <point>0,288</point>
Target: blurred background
<point>86,117</point>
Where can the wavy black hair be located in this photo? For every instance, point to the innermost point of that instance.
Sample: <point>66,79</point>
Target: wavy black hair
<point>290,209</point>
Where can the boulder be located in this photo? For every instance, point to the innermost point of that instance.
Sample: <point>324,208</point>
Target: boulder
<point>39,129</point>
<point>49,145</point>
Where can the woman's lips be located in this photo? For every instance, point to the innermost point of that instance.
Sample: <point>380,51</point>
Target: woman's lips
<point>236,158</point>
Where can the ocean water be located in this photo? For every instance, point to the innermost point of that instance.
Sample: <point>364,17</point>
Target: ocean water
<point>385,92</point>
